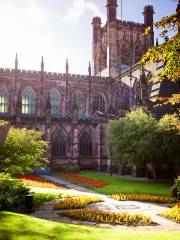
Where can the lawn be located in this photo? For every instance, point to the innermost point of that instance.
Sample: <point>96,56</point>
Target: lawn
<point>119,184</point>
<point>23,227</point>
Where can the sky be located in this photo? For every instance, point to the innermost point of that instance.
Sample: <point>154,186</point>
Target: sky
<point>60,29</point>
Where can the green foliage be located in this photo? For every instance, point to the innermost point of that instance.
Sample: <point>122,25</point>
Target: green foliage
<point>139,138</point>
<point>23,150</point>
<point>175,190</point>
<point>12,192</point>
<point>133,137</point>
<point>169,126</point>
<point>39,198</point>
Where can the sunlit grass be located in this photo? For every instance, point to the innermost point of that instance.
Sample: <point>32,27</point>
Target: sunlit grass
<point>23,227</point>
<point>119,184</point>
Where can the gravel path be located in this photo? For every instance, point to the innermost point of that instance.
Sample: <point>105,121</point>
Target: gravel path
<point>46,210</point>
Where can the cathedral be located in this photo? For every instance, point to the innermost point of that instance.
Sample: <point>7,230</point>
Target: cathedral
<point>73,110</point>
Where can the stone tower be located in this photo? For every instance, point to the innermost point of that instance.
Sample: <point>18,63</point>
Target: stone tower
<point>111,10</point>
<point>148,21</point>
<point>119,44</point>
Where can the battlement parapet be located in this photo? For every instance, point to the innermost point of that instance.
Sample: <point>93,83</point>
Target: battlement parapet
<point>148,9</point>
<point>7,70</point>
<point>131,24</point>
<point>50,75</point>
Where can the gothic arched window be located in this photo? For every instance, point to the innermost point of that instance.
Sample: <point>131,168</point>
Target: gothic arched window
<point>85,145</point>
<point>125,56</point>
<point>28,102</point>
<point>116,103</point>
<point>55,102</point>
<point>3,101</point>
<point>99,103</point>
<point>137,54</point>
<point>60,145</point>
<point>79,104</point>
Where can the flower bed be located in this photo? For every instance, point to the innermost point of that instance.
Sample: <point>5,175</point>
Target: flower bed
<point>76,202</point>
<point>144,198</point>
<point>172,213</point>
<point>101,216</point>
<point>37,181</point>
<point>88,182</point>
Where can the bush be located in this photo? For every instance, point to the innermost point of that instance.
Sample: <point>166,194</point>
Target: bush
<point>172,213</point>
<point>76,202</point>
<point>101,216</point>
<point>22,151</point>
<point>143,197</point>
<point>12,192</point>
<point>175,190</point>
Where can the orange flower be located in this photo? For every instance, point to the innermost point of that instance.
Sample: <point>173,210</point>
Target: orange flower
<point>37,181</point>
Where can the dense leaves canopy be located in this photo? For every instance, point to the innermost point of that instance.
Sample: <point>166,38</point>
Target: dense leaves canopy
<point>139,138</point>
<point>22,151</point>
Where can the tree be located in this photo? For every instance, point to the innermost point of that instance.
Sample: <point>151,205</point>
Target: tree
<point>139,138</point>
<point>168,53</point>
<point>22,151</point>
<point>170,128</point>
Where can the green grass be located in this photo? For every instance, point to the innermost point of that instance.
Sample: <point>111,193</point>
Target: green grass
<point>39,198</point>
<point>23,227</point>
<point>121,185</point>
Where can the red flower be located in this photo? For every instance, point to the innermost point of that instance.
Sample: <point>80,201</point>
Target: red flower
<point>89,182</point>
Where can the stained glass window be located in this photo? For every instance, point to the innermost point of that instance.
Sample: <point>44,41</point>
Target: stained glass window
<point>85,145</point>
<point>3,101</point>
<point>55,102</point>
<point>79,104</point>
<point>60,145</point>
<point>99,103</point>
<point>28,102</point>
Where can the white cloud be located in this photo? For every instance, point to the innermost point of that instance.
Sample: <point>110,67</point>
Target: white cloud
<point>23,30</point>
<point>79,9</point>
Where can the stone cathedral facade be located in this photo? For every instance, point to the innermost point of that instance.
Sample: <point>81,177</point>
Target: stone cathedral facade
<point>73,110</point>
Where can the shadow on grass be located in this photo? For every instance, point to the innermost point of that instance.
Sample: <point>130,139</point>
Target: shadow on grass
<point>24,227</point>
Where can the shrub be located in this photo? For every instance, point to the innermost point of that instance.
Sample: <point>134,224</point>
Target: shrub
<point>22,151</point>
<point>101,216</point>
<point>86,181</point>
<point>37,181</point>
<point>175,190</point>
<point>12,192</point>
<point>172,213</point>
<point>143,197</point>
<point>39,198</point>
<point>76,202</point>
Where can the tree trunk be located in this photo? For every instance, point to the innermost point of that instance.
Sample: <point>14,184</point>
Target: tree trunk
<point>3,133</point>
<point>154,173</point>
<point>120,169</point>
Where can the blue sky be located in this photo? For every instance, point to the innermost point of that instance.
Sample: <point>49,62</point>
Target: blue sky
<point>58,29</point>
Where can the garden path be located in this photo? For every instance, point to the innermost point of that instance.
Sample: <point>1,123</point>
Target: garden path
<point>46,210</point>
